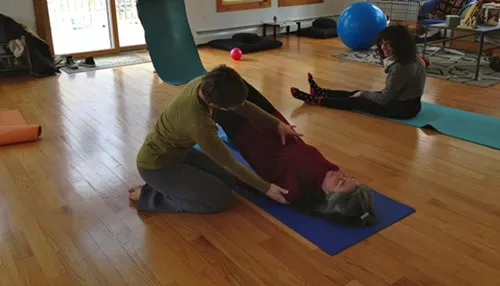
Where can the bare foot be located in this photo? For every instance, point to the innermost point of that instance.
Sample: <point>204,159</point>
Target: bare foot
<point>134,193</point>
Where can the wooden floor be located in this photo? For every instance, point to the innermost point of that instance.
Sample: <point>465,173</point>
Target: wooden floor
<point>65,218</point>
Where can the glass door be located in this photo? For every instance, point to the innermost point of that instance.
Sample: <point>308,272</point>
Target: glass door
<point>130,29</point>
<point>79,26</point>
<point>91,27</point>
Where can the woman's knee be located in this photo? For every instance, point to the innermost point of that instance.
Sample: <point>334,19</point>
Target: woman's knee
<point>199,200</point>
<point>224,203</point>
<point>190,189</point>
<point>217,203</point>
<point>257,98</point>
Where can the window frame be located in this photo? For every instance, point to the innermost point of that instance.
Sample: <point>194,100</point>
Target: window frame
<point>287,3</point>
<point>221,7</point>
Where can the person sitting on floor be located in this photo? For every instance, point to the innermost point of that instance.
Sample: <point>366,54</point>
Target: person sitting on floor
<point>316,186</point>
<point>405,82</point>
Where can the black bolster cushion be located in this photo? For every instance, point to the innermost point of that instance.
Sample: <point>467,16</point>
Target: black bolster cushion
<point>324,23</point>
<point>247,43</point>
<point>247,38</point>
<point>495,63</point>
<point>322,28</point>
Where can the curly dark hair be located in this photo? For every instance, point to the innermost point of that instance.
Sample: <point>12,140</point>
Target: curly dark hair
<point>402,41</point>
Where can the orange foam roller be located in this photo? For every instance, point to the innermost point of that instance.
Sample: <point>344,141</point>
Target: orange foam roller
<point>14,129</point>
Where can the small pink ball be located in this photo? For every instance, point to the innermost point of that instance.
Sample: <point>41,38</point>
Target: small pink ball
<point>236,54</point>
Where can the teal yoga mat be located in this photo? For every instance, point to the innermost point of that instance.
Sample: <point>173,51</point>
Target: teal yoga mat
<point>473,127</point>
<point>170,41</point>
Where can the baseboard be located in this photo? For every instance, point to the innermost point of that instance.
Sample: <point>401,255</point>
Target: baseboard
<point>204,36</point>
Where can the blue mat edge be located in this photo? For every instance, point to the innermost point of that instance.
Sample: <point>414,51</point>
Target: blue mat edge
<point>436,126</point>
<point>261,201</point>
<point>376,229</point>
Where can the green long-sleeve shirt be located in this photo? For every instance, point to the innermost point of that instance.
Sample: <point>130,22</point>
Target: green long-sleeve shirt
<point>185,122</point>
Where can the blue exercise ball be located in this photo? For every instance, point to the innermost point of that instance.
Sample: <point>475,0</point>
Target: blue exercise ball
<point>359,25</point>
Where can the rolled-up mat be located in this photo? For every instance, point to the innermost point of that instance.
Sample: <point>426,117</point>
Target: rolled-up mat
<point>14,129</point>
<point>169,40</point>
<point>327,236</point>
<point>469,126</point>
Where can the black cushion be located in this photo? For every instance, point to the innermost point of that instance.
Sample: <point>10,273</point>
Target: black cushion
<point>316,33</point>
<point>324,23</point>
<point>248,38</point>
<point>495,63</point>
<point>247,43</point>
<point>322,28</point>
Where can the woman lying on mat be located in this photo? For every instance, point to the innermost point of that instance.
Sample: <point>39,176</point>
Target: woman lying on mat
<point>316,186</point>
<point>404,87</point>
<point>180,178</point>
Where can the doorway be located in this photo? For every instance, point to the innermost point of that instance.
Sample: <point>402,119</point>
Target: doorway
<point>93,27</point>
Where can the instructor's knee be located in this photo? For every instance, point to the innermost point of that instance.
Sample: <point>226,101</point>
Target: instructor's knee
<point>223,203</point>
<point>219,202</point>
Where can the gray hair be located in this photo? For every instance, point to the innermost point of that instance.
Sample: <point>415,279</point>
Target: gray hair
<point>353,204</point>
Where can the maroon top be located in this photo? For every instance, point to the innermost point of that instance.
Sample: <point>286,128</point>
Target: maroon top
<point>282,164</point>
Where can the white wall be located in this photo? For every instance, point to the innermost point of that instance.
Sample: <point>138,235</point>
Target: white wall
<point>20,10</point>
<point>206,24</point>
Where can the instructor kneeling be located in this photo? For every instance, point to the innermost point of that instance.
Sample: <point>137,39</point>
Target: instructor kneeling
<point>180,178</point>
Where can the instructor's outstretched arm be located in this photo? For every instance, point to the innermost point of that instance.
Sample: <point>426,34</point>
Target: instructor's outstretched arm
<point>210,142</point>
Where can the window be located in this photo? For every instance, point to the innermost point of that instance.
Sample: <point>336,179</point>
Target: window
<point>236,5</point>
<point>284,3</point>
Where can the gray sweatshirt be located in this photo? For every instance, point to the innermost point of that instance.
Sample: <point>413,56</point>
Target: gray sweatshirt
<point>403,82</point>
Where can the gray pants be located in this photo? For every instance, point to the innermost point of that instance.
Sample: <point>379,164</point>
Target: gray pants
<point>196,185</point>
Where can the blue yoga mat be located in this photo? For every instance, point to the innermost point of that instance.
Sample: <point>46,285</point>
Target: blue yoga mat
<point>469,126</point>
<point>169,40</point>
<point>329,237</point>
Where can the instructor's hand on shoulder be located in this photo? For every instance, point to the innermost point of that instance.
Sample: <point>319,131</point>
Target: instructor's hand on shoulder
<point>286,130</point>
<point>276,193</point>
